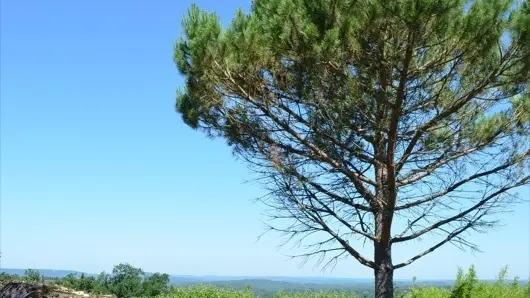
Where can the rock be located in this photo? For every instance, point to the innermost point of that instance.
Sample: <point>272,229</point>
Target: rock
<point>30,290</point>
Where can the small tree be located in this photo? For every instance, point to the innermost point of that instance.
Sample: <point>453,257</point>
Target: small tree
<point>126,281</point>
<point>156,284</point>
<point>369,120</point>
<point>33,275</point>
<point>88,284</point>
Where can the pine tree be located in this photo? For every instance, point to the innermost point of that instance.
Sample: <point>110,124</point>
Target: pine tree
<point>363,117</point>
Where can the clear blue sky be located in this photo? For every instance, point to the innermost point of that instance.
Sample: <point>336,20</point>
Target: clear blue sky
<point>97,168</point>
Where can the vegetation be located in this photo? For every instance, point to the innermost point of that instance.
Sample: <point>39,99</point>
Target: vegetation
<point>33,275</point>
<point>209,291</point>
<point>125,281</point>
<point>468,286</point>
<point>128,281</point>
<point>361,116</point>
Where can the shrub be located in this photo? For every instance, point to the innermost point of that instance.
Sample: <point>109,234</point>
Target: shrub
<point>206,291</point>
<point>468,286</point>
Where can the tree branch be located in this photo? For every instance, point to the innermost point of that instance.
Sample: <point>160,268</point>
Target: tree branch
<point>502,190</point>
<point>464,181</point>
<point>449,237</point>
<point>321,155</point>
<point>449,111</point>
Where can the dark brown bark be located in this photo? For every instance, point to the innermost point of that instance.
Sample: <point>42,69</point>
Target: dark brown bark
<point>383,210</point>
<point>383,271</point>
<point>384,275</point>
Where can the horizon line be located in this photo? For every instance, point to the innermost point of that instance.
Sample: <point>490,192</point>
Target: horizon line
<point>264,277</point>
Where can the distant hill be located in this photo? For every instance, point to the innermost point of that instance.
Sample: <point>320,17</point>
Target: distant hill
<point>180,279</point>
<point>187,279</point>
<point>46,272</point>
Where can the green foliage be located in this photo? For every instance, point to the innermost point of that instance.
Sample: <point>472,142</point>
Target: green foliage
<point>314,294</point>
<point>302,46</point>
<point>84,283</point>
<point>33,275</point>
<point>207,291</point>
<point>88,284</point>
<point>5,277</point>
<point>124,281</point>
<point>468,286</point>
<point>204,291</point>
<point>155,284</point>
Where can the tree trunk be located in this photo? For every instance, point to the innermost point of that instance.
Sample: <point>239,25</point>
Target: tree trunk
<point>384,212</point>
<point>384,272</point>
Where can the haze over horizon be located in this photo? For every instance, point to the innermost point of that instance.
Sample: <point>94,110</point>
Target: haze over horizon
<point>98,168</point>
<point>287,278</point>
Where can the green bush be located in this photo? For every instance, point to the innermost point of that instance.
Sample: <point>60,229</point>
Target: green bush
<point>125,281</point>
<point>33,275</point>
<point>206,291</point>
<point>468,286</point>
<point>330,294</point>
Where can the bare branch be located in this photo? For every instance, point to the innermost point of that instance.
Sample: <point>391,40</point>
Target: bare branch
<point>488,198</point>
<point>449,237</point>
<point>464,181</point>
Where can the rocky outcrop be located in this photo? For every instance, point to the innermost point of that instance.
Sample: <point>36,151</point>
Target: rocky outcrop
<point>30,290</point>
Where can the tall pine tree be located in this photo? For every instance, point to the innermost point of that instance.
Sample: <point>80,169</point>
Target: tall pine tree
<point>369,120</point>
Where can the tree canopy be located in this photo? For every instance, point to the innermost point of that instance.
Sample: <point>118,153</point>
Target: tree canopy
<point>363,117</point>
